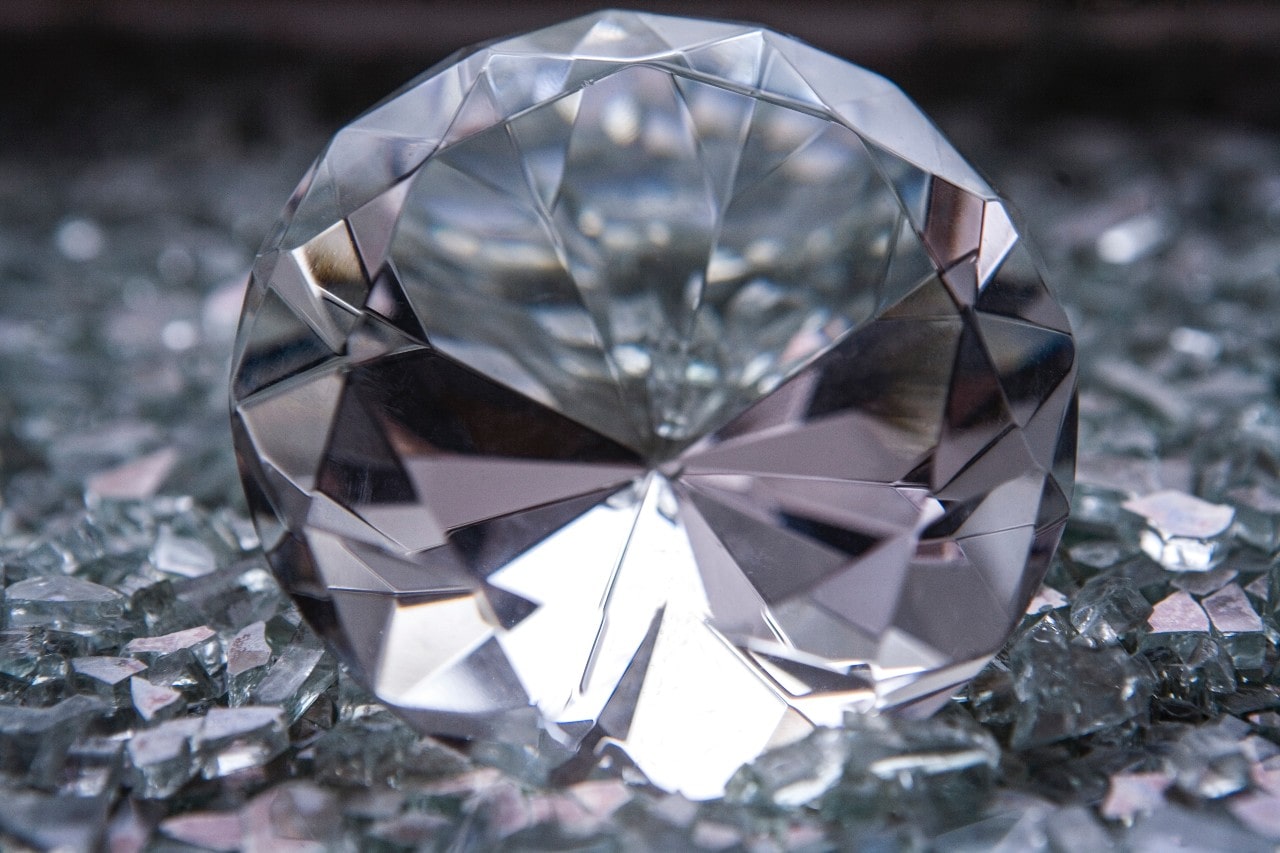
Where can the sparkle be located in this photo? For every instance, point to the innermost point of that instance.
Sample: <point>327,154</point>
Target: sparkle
<point>656,385</point>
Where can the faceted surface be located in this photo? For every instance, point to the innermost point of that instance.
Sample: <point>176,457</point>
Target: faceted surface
<point>653,386</point>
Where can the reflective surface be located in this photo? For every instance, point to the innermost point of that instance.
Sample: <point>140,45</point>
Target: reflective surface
<point>654,388</point>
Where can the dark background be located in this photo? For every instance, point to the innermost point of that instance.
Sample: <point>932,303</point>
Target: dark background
<point>81,73</point>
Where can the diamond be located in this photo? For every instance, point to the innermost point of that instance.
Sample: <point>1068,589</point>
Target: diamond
<point>657,389</point>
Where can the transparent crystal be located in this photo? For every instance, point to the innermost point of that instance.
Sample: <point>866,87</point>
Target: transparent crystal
<point>1182,532</point>
<point>34,741</point>
<point>1067,688</point>
<point>155,702</point>
<point>1107,608</point>
<point>67,604</point>
<point>658,383</point>
<point>201,643</point>
<point>106,677</point>
<point>296,679</point>
<point>161,759</point>
<point>232,739</point>
<point>1239,625</point>
<point>248,655</point>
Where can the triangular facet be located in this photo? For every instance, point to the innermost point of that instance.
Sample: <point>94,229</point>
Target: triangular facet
<point>520,81</point>
<point>998,237</point>
<point>684,33</point>
<point>782,79</point>
<point>478,112</point>
<point>1017,290</point>
<point>294,445</point>
<point>317,207</point>
<point>930,299</point>
<point>976,411</point>
<point>387,300</point>
<point>620,35</point>
<point>363,616</point>
<point>332,265</point>
<point>374,223</point>
<point>360,467</point>
<point>992,466</point>
<point>366,162</point>
<point>912,185</point>
<point>277,345</point>
<point>737,59</point>
<point>1030,361</point>
<point>909,270</point>
<point>424,109</point>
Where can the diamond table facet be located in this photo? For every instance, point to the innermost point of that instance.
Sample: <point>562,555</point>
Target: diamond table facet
<point>653,387</point>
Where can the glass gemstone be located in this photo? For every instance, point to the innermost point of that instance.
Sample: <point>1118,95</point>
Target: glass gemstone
<point>653,389</point>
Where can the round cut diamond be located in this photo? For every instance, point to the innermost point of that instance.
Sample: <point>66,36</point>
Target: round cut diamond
<point>653,386</point>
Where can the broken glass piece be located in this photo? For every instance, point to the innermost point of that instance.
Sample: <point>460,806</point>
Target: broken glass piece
<point>1171,826</point>
<point>226,740</point>
<point>1133,794</point>
<point>653,382</point>
<point>135,479</point>
<point>1182,532</point>
<point>1205,583</point>
<point>1076,829</point>
<point>1177,618</point>
<point>1239,625</point>
<point>1108,608</point>
<point>233,739</point>
<point>795,774</point>
<point>106,677</point>
<point>248,654</point>
<point>1259,811</point>
<point>1067,688</point>
<point>232,597</point>
<point>34,741</point>
<point>1194,673</point>
<point>1207,760</point>
<point>296,679</point>
<point>155,702</point>
<point>1258,515</point>
<point>219,831</point>
<point>182,555</point>
<point>1012,822</point>
<point>201,643</point>
<point>409,831</point>
<point>67,604</point>
<point>50,682</point>
<point>19,651</point>
<point>296,815</point>
<point>875,769</point>
<point>161,759</point>
<point>362,752</point>
<point>1099,555</point>
<point>93,766</point>
<point>182,671</point>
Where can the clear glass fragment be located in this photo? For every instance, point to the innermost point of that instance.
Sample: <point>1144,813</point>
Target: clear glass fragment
<point>67,604</point>
<point>1182,532</point>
